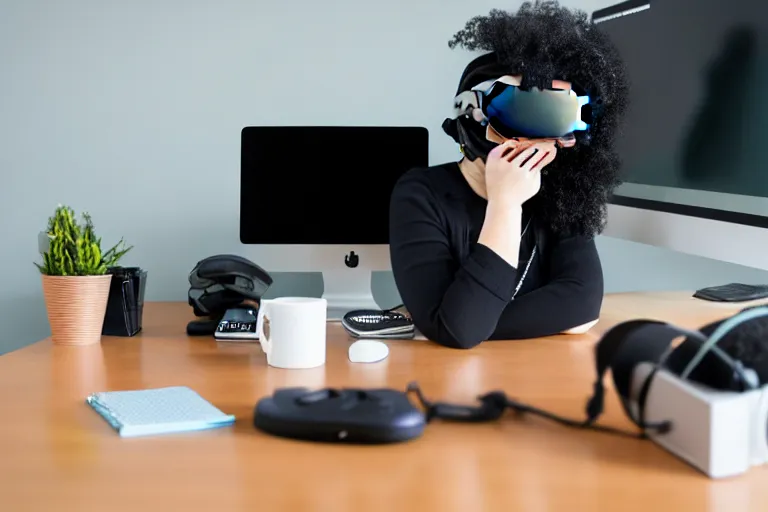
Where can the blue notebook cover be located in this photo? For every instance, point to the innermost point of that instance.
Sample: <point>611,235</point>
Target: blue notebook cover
<point>157,411</point>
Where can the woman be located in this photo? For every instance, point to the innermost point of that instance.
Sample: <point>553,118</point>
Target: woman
<point>501,244</point>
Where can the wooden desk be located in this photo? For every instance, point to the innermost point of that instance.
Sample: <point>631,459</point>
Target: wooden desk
<point>56,454</point>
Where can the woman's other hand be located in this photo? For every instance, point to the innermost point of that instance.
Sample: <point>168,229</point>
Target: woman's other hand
<point>513,171</point>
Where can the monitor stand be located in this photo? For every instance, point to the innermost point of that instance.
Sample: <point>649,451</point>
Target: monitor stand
<point>346,290</point>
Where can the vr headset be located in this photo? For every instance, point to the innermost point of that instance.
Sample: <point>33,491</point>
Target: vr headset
<point>697,358</point>
<point>505,112</point>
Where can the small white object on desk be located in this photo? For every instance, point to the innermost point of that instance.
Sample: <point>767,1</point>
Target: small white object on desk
<point>368,351</point>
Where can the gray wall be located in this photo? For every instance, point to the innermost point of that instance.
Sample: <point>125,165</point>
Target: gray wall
<point>132,111</point>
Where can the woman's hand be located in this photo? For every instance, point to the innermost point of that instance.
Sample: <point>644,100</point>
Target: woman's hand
<point>513,171</point>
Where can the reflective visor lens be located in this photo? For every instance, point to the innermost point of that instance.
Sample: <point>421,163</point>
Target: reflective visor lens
<point>534,113</point>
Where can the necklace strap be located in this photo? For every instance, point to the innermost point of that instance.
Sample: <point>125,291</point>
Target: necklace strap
<point>525,273</point>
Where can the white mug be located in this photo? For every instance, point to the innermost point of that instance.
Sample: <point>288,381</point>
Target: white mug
<point>295,331</point>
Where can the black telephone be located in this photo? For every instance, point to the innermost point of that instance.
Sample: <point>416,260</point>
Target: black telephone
<point>356,416</point>
<point>220,284</point>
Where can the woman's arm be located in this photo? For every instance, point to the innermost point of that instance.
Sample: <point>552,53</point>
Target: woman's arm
<point>569,303</point>
<point>500,226</point>
<point>454,305</point>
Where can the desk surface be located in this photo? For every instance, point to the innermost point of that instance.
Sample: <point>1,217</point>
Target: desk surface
<point>57,454</point>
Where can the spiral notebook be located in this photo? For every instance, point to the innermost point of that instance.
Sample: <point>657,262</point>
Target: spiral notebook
<point>157,411</point>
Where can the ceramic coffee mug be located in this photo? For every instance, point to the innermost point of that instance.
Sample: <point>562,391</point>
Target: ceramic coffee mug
<point>292,331</point>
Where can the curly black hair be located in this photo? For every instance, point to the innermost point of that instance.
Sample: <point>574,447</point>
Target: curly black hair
<point>543,41</point>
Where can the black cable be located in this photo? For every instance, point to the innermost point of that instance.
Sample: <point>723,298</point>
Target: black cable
<point>493,405</point>
<point>568,422</point>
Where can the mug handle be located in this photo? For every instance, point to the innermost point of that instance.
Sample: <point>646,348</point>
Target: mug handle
<point>264,341</point>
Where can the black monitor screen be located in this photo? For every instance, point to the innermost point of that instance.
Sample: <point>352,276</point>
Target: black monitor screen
<point>323,185</point>
<point>699,103</point>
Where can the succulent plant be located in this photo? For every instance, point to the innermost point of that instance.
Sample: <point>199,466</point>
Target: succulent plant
<point>74,249</point>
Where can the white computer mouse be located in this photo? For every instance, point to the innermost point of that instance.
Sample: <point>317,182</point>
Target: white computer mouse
<point>368,351</point>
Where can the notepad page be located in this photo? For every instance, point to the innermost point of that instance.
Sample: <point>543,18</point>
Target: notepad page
<point>157,411</point>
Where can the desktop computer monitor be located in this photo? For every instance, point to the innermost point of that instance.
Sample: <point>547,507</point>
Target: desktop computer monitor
<point>695,163</point>
<point>316,199</point>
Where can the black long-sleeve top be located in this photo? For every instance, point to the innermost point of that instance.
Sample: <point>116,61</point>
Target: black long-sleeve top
<point>460,293</point>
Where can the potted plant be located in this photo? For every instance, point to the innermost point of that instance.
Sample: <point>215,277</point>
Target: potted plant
<point>75,279</point>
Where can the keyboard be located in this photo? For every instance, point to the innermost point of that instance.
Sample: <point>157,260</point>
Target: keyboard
<point>733,292</point>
